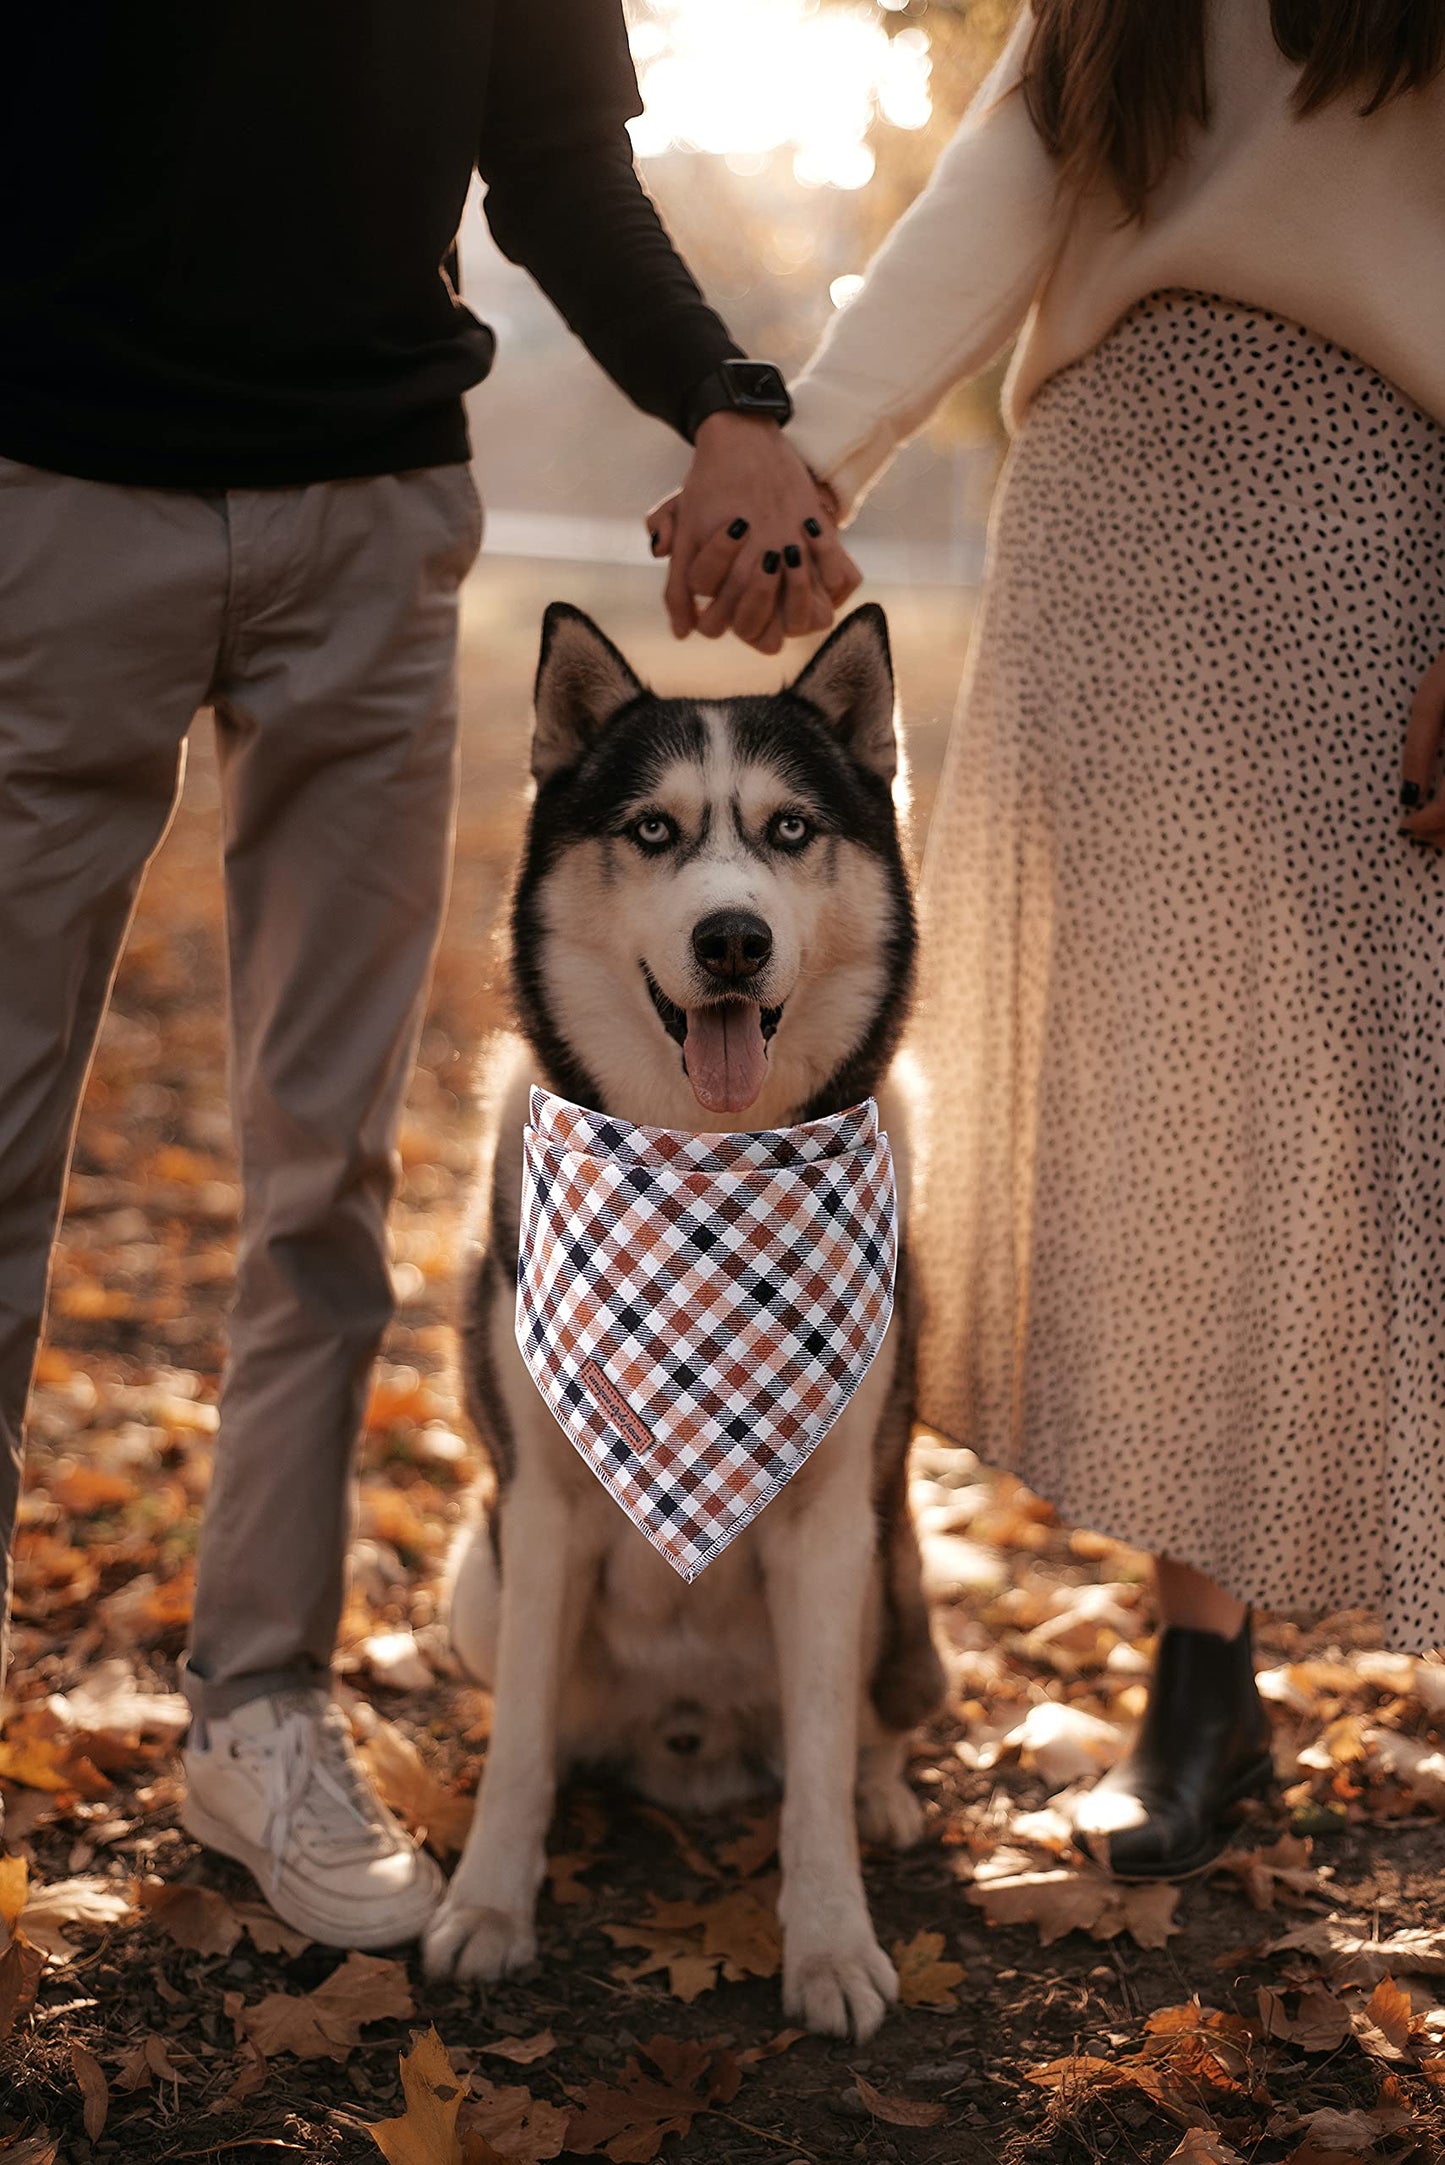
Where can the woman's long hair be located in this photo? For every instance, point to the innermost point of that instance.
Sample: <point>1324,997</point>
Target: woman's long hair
<point>1112,84</point>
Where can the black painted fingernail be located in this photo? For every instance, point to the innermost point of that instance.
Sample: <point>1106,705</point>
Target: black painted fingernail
<point>771,562</point>
<point>738,528</point>
<point>1412,796</point>
<point>811,526</point>
<point>792,556</point>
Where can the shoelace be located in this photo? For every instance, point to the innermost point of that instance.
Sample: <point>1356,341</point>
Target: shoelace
<point>298,1764</point>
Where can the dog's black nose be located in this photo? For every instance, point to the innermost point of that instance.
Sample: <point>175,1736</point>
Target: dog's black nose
<point>732,945</point>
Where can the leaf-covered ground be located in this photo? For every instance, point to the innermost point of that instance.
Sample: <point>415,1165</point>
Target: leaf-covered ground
<point>1290,2006</point>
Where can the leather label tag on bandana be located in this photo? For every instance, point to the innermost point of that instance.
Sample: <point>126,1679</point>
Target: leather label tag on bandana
<point>697,1310</point>
<point>615,1406</point>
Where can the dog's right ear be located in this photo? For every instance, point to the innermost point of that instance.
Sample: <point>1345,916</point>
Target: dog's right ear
<point>582,681</point>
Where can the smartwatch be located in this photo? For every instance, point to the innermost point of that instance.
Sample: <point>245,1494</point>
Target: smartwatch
<point>750,387</point>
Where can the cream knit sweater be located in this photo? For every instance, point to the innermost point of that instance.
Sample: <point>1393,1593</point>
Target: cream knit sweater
<point>1336,222</point>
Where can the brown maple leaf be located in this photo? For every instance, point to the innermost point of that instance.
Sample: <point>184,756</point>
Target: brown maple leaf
<point>753,1849</point>
<point>426,2133</point>
<point>923,1979</point>
<point>735,1936</point>
<point>1061,1901</point>
<point>563,1879</point>
<point>436,1814</point>
<point>327,2023</point>
<point>629,2121</point>
<point>197,1918</point>
<point>510,2124</point>
<point>1321,2023</point>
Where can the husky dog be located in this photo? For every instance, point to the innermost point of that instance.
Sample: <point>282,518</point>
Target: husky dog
<point>712,929</point>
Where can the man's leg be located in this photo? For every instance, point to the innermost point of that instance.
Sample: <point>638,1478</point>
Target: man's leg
<point>337,724</point>
<point>111,606</point>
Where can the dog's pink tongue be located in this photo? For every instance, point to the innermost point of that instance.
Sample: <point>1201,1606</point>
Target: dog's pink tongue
<point>725,1056</point>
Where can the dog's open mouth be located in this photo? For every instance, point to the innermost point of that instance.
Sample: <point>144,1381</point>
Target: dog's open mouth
<point>724,1046</point>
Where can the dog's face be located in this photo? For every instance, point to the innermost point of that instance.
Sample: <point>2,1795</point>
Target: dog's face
<point>713,925</point>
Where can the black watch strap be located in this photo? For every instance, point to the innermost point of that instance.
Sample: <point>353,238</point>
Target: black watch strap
<point>747,387</point>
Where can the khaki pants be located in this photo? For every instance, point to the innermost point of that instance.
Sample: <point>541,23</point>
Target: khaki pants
<point>320,623</point>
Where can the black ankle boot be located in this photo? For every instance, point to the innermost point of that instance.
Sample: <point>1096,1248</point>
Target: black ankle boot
<point>1203,1745</point>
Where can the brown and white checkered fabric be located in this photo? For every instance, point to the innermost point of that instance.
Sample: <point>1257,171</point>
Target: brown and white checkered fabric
<point>697,1310</point>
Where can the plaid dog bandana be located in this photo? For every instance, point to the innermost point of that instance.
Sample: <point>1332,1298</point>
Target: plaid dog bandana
<point>697,1310</point>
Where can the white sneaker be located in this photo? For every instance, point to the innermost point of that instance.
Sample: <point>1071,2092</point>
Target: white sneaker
<point>277,1786</point>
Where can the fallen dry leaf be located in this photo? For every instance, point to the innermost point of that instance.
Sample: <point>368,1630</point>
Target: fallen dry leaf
<point>522,2051</point>
<point>564,1882</point>
<point>1383,2024</point>
<point>436,1814</point>
<point>783,2042</point>
<point>629,2121</point>
<point>1059,1902</point>
<point>14,1888</point>
<point>41,1751</point>
<point>395,1659</point>
<point>1352,1954</point>
<point>900,2111</point>
<point>69,1902</point>
<point>426,2133</point>
<point>694,1858</point>
<point>21,1966</point>
<point>1320,2023</point>
<point>197,1918</point>
<point>510,2124</point>
<point>145,2062</point>
<point>1202,2146</point>
<point>751,1851</point>
<point>1418,1767</point>
<point>924,1980</point>
<point>1064,1743</point>
<point>94,2090</point>
<point>326,2024</point>
<point>267,1934</point>
<point>41,2149</point>
<point>733,1937</point>
<point>110,1702</point>
<point>1281,1868</point>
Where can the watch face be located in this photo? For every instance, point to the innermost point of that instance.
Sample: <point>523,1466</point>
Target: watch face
<point>757,383</point>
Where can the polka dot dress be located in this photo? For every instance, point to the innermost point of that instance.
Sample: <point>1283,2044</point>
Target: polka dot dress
<point>1181,1223</point>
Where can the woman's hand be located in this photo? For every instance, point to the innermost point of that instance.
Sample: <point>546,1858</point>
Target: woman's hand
<point>1424,803</point>
<point>753,540</point>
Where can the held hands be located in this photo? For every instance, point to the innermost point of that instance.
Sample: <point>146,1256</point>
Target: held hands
<point>1423,817</point>
<point>753,539</point>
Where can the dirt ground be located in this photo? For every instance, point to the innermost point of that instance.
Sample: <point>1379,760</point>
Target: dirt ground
<point>1047,2017</point>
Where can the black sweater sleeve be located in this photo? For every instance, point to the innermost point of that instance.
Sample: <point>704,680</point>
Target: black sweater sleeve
<point>565,202</point>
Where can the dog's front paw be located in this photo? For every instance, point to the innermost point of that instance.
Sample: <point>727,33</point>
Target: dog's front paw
<point>846,1985</point>
<point>889,1813</point>
<point>477,1946</point>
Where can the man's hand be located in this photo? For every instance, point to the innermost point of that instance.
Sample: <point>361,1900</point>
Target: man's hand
<point>753,540</point>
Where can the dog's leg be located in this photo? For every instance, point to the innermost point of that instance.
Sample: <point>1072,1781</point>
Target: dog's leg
<point>817,1552</point>
<point>485,1926</point>
<point>888,1811</point>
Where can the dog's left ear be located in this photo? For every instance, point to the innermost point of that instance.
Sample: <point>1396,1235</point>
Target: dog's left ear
<point>582,681</point>
<point>850,682</point>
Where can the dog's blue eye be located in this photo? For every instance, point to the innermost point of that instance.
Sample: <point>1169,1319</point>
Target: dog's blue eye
<point>790,830</point>
<point>654,832</point>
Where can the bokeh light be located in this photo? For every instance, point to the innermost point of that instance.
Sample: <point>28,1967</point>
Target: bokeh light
<point>742,79</point>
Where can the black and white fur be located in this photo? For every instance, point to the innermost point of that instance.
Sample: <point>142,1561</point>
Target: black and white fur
<point>803,1652</point>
